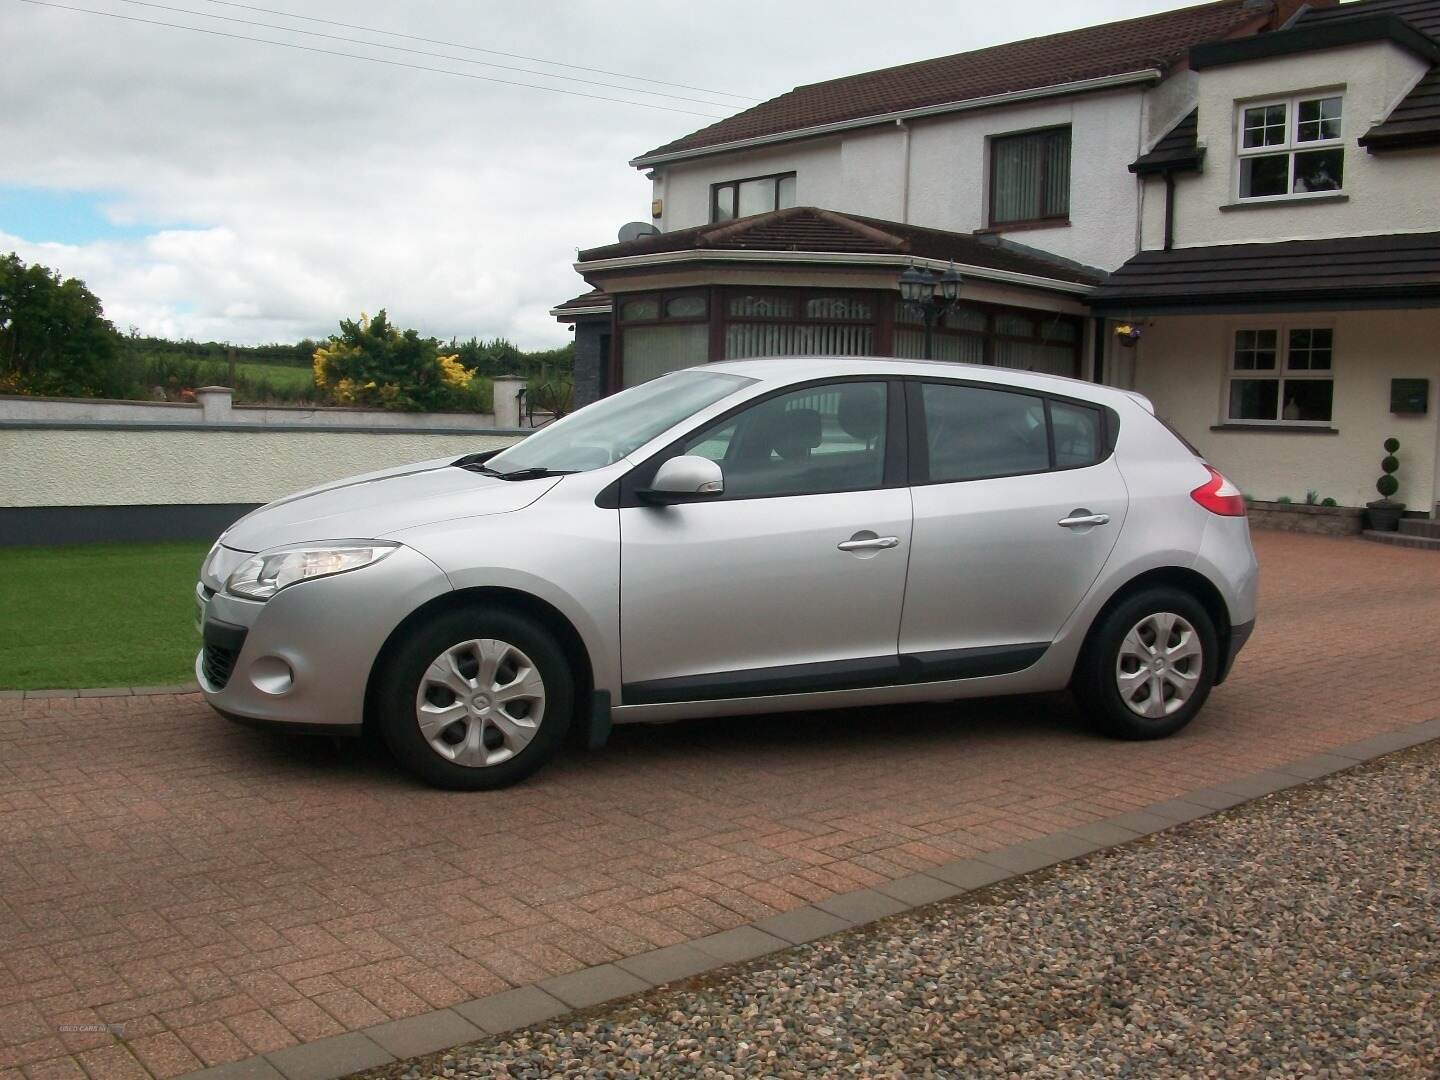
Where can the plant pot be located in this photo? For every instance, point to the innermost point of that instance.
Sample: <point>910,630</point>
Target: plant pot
<point>1384,514</point>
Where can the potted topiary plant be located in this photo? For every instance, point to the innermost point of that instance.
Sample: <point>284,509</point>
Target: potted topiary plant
<point>1385,512</point>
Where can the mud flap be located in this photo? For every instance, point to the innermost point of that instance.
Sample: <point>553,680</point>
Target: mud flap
<point>598,732</point>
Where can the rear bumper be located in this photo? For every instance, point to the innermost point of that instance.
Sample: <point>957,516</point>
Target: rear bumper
<point>1239,635</point>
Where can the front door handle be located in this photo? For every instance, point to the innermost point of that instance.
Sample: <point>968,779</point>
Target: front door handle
<point>873,543</point>
<point>1083,519</point>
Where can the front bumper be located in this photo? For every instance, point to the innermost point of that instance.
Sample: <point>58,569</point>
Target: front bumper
<point>302,659</point>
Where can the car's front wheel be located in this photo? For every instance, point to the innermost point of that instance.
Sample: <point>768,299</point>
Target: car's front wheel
<point>475,699</point>
<point>1149,665</point>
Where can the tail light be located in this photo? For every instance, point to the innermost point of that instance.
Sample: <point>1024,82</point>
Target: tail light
<point>1219,496</point>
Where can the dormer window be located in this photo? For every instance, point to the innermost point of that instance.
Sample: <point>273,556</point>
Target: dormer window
<point>1290,147</point>
<point>757,195</point>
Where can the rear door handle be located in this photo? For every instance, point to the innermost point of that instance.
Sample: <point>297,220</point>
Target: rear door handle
<point>874,543</point>
<point>1083,519</point>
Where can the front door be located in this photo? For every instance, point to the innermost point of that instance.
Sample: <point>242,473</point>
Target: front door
<point>793,579</point>
<point>1017,507</point>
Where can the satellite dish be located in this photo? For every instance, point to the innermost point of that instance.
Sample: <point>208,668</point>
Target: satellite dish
<point>636,229</point>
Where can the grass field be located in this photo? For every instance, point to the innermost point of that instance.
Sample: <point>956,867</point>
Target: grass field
<point>279,374</point>
<point>98,615</point>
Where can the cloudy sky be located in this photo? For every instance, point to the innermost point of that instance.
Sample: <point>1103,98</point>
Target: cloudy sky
<point>217,188</point>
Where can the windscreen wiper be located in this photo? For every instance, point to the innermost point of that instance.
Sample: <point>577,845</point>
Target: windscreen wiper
<point>534,473</point>
<point>476,463</point>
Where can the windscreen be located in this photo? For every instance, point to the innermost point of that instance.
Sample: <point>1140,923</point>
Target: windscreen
<point>617,426</point>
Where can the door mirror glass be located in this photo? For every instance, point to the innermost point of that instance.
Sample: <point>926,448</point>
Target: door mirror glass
<point>686,478</point>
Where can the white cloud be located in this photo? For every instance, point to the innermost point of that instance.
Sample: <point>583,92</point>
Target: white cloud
<point>312,187</point>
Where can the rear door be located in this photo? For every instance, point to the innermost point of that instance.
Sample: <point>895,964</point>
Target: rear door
<point>1018,503</point>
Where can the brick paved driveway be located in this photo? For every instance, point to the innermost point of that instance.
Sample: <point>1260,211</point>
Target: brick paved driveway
<point>221,892</point>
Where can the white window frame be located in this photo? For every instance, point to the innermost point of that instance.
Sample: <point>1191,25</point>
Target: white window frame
<point>1290,147</point>
<point>1280,373</point>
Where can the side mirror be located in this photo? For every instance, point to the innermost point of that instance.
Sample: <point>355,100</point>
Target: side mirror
<point>687,478</point>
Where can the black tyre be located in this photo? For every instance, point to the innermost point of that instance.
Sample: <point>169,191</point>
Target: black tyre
<point>1148,665</point>
<point>475,699</point>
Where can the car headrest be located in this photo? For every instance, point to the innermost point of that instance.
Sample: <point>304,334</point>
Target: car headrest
<point>795,432</point>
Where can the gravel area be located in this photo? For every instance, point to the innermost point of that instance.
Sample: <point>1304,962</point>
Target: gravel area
<point>1294,936</point>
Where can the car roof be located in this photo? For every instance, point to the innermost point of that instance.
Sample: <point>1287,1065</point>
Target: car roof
<point>781,370</point>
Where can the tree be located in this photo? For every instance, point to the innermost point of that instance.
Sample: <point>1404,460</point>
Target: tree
<point>54,337</point>
<point>370,362</point>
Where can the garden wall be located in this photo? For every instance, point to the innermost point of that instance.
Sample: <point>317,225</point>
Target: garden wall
<point>73,472</point>
<point>1306,518</point>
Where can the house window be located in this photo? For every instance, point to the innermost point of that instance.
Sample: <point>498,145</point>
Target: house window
<point>792,322</point>
<point>985,334</point>
<point>758,195</point>
<point>1291,147</point>
<point>662,332</point>
<point>1281,376</point>
<point>1030,177</point>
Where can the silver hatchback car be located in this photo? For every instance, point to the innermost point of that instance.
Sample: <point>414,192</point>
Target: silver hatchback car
<point>743,537</point>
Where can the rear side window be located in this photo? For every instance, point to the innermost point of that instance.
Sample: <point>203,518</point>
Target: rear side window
<point>1079,435</point>
<point>972,432</point>
<point>975,432</point>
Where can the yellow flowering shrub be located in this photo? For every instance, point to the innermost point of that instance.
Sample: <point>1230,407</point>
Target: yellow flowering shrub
<point>454,373</point>
<point>372,363</point>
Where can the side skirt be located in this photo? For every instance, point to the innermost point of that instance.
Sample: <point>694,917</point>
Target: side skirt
<point>861,674</point>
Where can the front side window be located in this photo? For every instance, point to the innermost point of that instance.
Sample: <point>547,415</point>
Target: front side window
<point>615,427</point>
<point>1030,177</point>
<point>810,441</point>
<point>757,195</point>
<point>1280,376</point>
<point>1291,147</point>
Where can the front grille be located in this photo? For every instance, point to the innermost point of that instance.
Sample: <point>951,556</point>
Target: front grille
<point>223,642</point>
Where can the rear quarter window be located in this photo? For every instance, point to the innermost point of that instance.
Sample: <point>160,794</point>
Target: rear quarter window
<point>1079,435</point>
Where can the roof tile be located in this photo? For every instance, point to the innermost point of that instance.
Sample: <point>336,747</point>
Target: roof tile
<point>806,228</point>
<point>1178,149</point>
<point>1349,268</point>
<point>1416,120</point>
<point>1154,41</point>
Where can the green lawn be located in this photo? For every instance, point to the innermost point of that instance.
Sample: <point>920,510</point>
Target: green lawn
<point>98,615</point>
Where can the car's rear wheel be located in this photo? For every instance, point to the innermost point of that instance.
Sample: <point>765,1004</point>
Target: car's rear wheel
<point>1149,665</point>
<point>475,699</point>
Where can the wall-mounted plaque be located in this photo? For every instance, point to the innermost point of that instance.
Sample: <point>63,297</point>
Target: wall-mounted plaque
<point>1409,396</point>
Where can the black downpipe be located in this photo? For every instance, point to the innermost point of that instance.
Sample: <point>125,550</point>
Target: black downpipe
<point>1097,367</point>
<point>1169,209</point>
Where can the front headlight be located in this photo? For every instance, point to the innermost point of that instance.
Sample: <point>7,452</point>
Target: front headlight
<point>208,565</point>
<point>262,576</point>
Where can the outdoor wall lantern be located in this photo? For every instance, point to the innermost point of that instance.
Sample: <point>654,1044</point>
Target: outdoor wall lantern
<point>932,295</point>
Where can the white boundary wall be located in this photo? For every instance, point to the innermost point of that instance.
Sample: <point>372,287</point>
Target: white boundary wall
<point>67,453</point>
